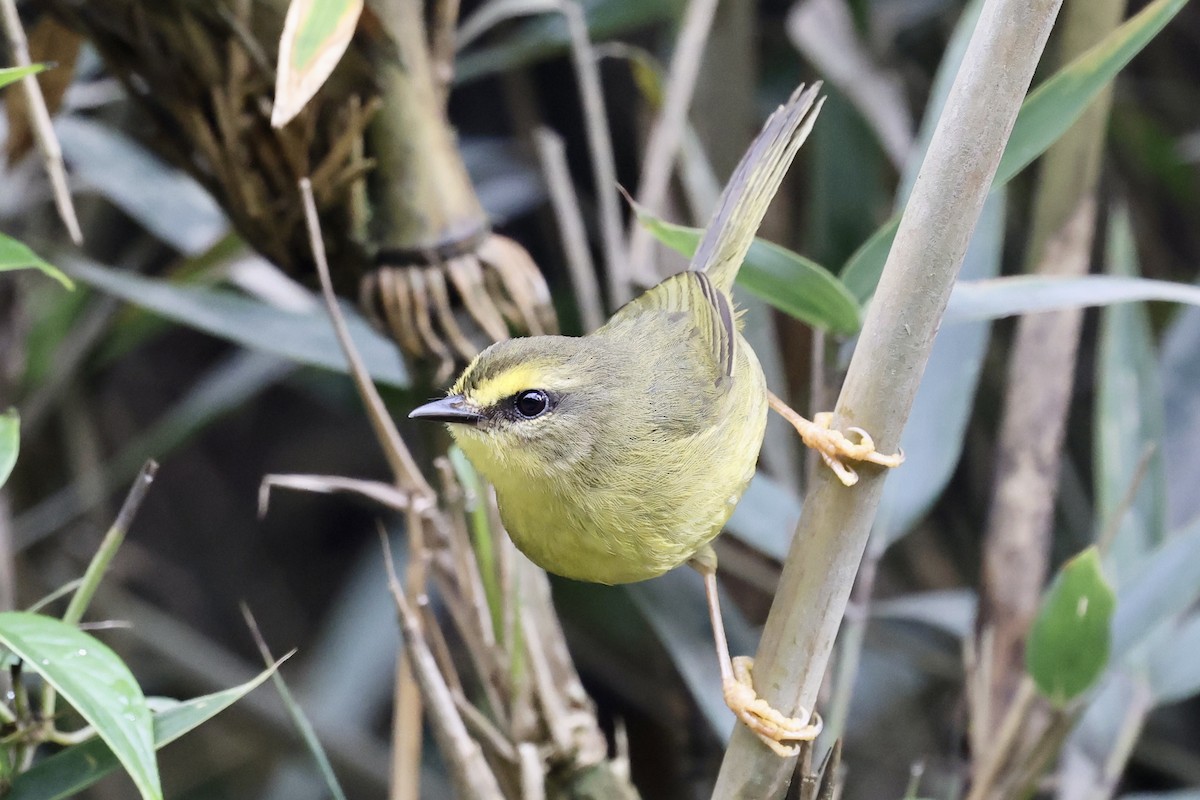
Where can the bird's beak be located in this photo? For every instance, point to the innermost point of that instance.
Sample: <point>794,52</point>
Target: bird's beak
<point>449,409</point>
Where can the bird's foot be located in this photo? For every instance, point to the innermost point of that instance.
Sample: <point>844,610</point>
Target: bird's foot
<point>834,446</point>
<point>769,724</point>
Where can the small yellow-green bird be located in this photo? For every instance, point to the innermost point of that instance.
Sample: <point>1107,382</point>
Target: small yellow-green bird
<point>619,455</point>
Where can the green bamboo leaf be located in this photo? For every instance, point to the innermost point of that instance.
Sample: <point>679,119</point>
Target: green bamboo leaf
<point>316,34</point>
<point>14,255</point>
<point>97,684</point>
<point>1069,641</point>
<point>70,771</point>
<point>788,281</point>
<point>10,443</point>
<point>12,74</point>
<point>1048,112</point>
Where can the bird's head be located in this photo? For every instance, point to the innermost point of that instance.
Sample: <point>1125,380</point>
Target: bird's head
<point>529,406</point>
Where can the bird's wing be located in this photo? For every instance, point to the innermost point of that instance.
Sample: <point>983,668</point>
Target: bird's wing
<point>690,295</point>
<point>753,184</point>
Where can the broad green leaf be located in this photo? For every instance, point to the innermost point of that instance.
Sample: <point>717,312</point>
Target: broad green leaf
<point>1046,115</point>
<point>789,282</point>
<point>70,771</point>
<point>1165,584</point>
<point>97,684</point>
<point>1029,294</point>
<point>306,338</point>
<point>12,74</point>
<point>546,37</point>
<point>14,255</point>
<point>316,34</point>
<point>10,443</point>
<point>1069,642</point>
<point>1128,419</point>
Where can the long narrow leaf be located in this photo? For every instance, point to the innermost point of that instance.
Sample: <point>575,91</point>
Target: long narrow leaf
<point>14,255</point>
<point>13,74</point>
<point>1029,294</point>
<point>306,338</point>
<point>786,280</point>
<point>1046,115</point>
<point>74,769</point>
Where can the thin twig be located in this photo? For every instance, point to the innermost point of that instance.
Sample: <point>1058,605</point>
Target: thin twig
<point>408,475</point>
<point>553,157</point>
<point>996,756</point>
<point>409,715</point>
<point>595,119</point>
<point>1105,539</point>
<point>664,141</point>
<point>886,370</point>
<point>98,566</point>
<point>469,769</point>
<point>109,546</point>
<point>39,118</point>
<point>301,721</point>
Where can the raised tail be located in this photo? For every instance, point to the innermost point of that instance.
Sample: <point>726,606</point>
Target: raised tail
<point>744,202</point>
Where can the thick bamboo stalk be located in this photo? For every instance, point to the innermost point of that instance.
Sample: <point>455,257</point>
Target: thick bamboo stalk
<point>886,370</point>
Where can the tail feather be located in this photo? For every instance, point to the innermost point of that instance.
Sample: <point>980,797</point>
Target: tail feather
<point>754,183</point>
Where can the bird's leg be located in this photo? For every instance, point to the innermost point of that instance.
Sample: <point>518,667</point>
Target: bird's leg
<point>769,724</point>
<point>834,445</point>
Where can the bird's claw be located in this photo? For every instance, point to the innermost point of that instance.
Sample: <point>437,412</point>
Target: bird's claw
<point>768,723</point>
<point>834,446</point>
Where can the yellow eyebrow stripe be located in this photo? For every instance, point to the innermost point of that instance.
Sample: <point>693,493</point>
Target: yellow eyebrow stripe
<point>504,385</point>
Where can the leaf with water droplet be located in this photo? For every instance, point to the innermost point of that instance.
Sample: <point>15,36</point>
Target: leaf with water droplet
<point>95,681</point>
<point>1070,639</point>
<point>73,769</point>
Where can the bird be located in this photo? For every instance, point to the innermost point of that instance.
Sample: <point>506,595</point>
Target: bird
<point>619,455</point>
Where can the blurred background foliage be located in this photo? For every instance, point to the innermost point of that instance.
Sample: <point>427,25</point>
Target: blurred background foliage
<point>183,343</point>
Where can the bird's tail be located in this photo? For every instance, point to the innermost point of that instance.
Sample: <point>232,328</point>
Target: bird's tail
<point>744,202</point>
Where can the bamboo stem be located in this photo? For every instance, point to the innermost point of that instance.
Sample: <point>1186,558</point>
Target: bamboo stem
<point>886,369</point>
<point>424,200</point>
<point>39,120</point>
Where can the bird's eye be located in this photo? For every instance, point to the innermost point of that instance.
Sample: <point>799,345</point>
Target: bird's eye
<point>531,403</point>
